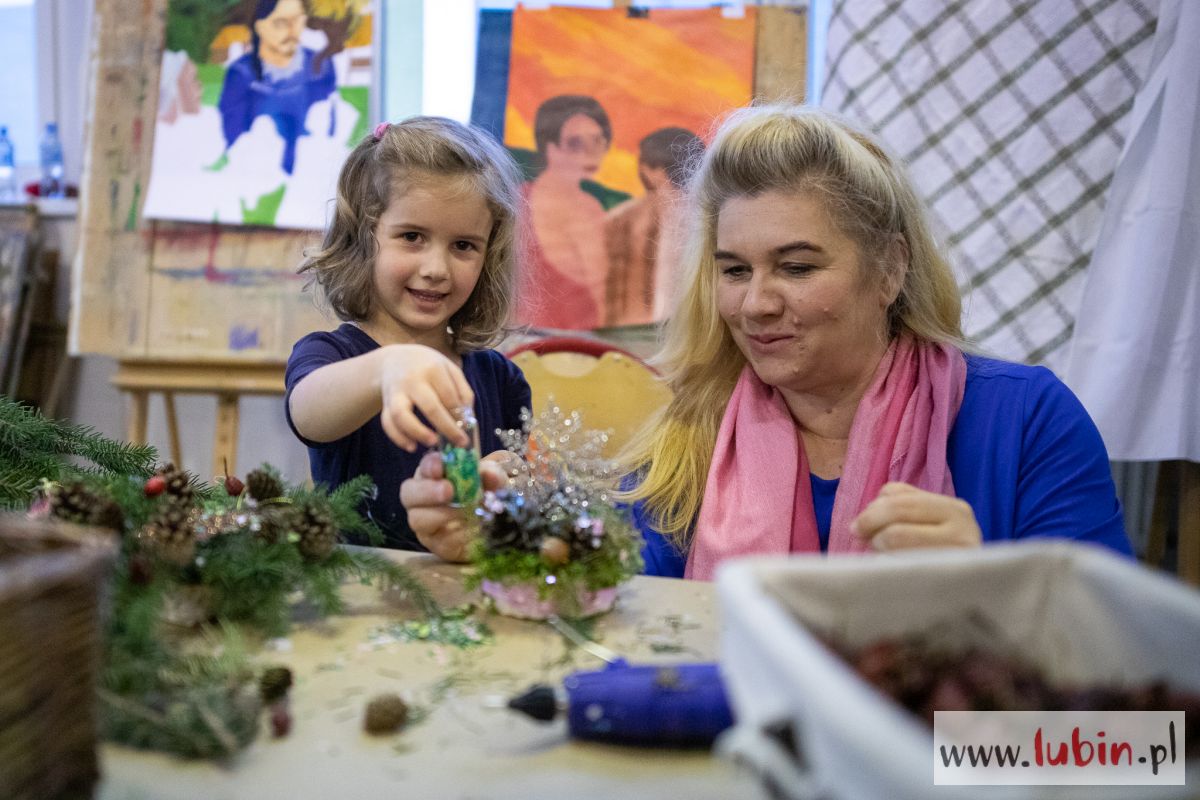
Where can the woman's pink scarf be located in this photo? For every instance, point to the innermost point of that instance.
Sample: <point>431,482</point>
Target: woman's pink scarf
<point>758,499</point>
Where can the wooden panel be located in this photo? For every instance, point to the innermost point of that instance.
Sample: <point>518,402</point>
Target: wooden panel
<point>780,59</point>
<point>162,289</point>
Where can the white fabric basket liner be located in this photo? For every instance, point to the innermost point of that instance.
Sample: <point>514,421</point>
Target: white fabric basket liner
<point>1076,611</point>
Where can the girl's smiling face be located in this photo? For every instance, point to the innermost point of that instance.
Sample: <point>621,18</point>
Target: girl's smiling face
<point>431,240</point>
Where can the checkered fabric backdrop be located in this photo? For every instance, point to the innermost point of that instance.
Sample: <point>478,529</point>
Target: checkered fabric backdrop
<point>1011,117</point>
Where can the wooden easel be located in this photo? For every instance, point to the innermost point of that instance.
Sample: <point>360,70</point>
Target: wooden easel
<point>227,380</point>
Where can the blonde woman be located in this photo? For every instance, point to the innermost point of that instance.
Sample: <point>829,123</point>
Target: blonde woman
<point>823,398</point>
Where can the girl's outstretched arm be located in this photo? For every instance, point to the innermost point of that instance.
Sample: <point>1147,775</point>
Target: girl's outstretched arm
<point>395,381</point>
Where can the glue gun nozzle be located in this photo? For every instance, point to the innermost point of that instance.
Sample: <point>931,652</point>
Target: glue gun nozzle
<point>540,702</point>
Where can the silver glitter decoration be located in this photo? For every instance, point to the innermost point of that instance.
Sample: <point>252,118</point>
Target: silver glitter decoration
<point>560,465</point>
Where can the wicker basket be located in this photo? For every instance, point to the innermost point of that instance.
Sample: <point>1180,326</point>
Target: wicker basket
<point>51,576</point>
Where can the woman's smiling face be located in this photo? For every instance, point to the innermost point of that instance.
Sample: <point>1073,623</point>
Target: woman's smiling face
<point>794,292</point>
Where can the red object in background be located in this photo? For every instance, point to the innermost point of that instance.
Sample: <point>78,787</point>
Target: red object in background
<point>34,189</point>
<point>570,344</point>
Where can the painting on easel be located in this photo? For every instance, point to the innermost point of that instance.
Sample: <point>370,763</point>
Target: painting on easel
<point>260,101</point>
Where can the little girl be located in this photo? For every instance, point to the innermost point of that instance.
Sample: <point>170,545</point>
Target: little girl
<point>419,263</point>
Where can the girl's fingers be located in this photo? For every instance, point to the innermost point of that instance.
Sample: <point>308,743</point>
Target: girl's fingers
<point>492,475</point>
<point>425,494</point>
<point>404,419</point>
<point>395,433</point>
<point>432,406</point>
<point>466,396</point>
<point>431,466</point>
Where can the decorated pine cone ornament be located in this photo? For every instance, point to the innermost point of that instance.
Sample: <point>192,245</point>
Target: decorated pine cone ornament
<point>317,531</point>
<point>75,502</point>
<point>509,523</point>
<point>168,535</point>
<point>264,485</point>
<point>554,542</point>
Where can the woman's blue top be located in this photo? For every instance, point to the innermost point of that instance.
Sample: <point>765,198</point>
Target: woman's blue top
<point>1023,452</point>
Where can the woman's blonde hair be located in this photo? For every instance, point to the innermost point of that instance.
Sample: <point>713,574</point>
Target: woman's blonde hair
<point>869,197</point>
<point>394,158</point>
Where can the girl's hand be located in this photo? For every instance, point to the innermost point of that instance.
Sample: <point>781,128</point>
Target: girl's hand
<point>417,377</point>
<point>427,495</point>
<point>904,517</point>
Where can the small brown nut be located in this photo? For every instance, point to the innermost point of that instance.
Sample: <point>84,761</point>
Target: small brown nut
<point>555,551</point>
<point>386,713</point>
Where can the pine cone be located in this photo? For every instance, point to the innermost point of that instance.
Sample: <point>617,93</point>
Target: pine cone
<point>179,482</point>
<point>274,522</point>
<point>263,485</point>
<point>173,545</point>
<point>168,535</point>
<point>274,683</point>
<point>508,525</point>
<point>75,502</point>
<point>318,534</point>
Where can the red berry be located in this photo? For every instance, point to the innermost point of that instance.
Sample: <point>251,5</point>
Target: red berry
<point>281,720</point>
<point>155,486</point>
<point>234,486</point>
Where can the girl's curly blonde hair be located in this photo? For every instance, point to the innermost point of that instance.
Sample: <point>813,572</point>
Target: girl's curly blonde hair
<point>421,149</point>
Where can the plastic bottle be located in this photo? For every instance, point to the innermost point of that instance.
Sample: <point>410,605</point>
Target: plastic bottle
<point>8,169</point>
<point>52,163</point>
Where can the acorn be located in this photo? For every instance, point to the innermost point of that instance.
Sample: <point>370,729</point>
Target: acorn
<point>555,551</point>
<point>386,713</point>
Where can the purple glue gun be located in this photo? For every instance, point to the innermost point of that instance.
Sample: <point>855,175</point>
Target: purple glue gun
<point>676,705</point>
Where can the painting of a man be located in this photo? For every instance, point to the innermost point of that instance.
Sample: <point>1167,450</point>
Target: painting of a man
<point>643,234</point>
<point>259,103</point>
<point>277,77</point>
<point>568,264</point>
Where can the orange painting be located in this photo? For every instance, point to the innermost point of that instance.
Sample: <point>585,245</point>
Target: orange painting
<point>605,108</point>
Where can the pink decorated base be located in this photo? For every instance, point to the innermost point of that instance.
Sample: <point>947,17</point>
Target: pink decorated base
<point>521,600</point>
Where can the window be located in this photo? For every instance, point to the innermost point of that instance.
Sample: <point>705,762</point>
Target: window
<point>18,60</point>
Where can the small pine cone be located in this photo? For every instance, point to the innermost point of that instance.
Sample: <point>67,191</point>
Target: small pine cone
<point>506,533</point>
<point>386,713</point>
<point>274,683</point>
<point>75,502</point>
<point>318,534</point>
<point>178,482</point>
<point>172,513</point>
<point>508,525</point>
<point>263,485</point>
<point>109,515</point>
<point>174,546</point>
<point>274,522</point>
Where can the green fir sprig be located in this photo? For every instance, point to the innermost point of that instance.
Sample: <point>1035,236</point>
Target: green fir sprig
<point>34,448</point>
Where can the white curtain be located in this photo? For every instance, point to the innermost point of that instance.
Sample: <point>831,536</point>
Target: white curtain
<point>1134,359</point>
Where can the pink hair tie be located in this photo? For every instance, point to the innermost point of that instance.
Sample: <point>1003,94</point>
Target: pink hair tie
<point>380,130</point>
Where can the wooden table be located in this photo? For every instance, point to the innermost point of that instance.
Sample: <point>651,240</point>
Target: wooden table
<point>463,749</point>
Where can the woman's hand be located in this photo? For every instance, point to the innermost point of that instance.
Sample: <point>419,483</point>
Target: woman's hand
<point>902,517</point>
<point>417,377</point>
<point>426,497</point>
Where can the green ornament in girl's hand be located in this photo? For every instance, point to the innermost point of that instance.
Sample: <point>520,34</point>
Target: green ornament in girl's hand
<point>461,464</point>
